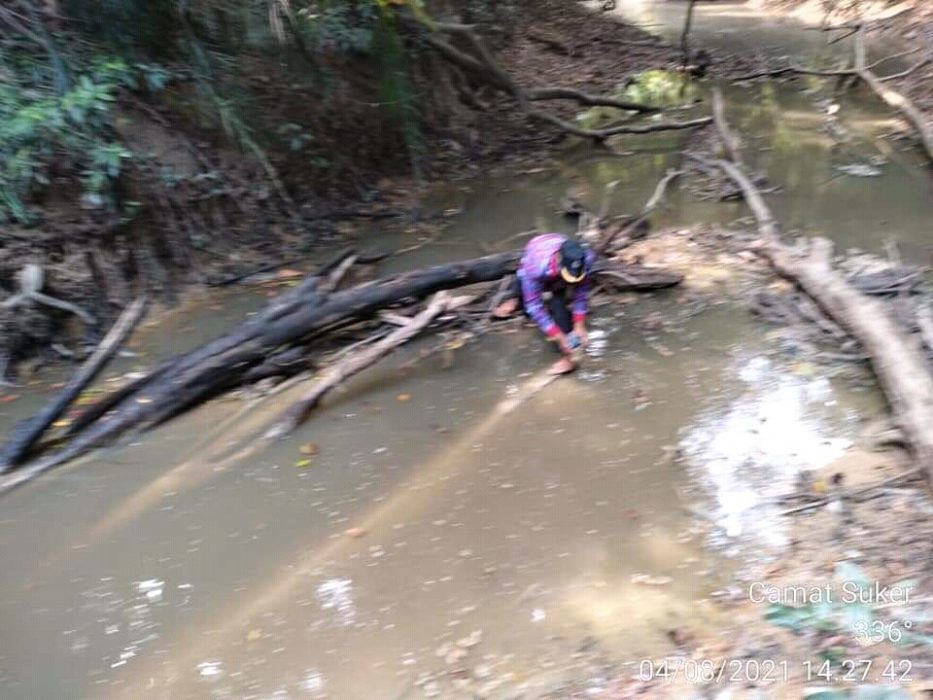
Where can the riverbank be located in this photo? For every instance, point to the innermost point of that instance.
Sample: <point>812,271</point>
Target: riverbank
<point>204,211</point>
<point>617,537</point>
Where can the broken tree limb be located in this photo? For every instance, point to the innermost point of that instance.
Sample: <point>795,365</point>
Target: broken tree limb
<point>730,141</point>
<point>31,280</point>
<point>863,70</point>
<point>587,99</point>
<point>354,363</point>
<point>30,431</point>
<point>904,73</point>
<point>626,233</point>
<point>222,364</point>
<point>767,225</point>
<point>897,362</point>
<point>893,98</point>
<point>685,34</point>
<point>899,365</point>
<point>603,134</point>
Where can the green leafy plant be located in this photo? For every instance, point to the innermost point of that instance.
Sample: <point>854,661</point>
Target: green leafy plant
<point>39,126</point>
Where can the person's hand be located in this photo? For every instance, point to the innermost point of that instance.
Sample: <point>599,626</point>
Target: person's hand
<point>580,330</point>
<point>563,342</point>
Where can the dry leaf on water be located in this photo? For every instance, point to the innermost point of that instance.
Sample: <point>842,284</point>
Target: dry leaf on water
<point>403,398</point>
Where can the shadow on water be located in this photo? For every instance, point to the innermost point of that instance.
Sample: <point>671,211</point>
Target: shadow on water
<point>193,563</point>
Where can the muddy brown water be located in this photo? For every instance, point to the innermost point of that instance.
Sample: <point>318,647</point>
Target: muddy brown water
<point>187,562</point>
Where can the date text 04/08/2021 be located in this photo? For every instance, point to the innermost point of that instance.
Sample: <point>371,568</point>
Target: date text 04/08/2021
<point>769,671</point>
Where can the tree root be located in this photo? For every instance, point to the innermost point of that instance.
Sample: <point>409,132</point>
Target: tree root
<point>32,280</point>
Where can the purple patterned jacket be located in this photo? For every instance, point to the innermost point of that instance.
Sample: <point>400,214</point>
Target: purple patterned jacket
<point>539,271</point>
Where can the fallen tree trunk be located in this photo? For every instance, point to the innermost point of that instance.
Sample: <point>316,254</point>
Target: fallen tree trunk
<point>353,364</point>
<point>27,434</point>
<point>896,361</point>
<point>289,325</point>
<point>899,365</point>
<point>893,98</point>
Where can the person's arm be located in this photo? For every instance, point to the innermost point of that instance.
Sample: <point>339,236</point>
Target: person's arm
<point>534,305</point>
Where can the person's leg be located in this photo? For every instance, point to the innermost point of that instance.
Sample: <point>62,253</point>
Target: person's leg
<point>560,311</point>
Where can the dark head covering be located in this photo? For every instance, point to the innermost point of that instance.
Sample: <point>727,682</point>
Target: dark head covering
<point>572,261</point>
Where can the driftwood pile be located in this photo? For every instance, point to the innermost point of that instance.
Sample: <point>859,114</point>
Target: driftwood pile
<point>282,340</point>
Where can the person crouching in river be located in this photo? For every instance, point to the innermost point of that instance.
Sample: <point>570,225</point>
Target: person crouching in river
<point>553,287</point>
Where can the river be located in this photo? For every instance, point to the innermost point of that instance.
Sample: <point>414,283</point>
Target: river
<point>437,543</point>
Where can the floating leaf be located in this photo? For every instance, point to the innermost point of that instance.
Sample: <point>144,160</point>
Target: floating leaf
<point>254,635</point>
<point>303,463</point>
<point>355,532</point>
<point>309,448</point>
<point>9,398</point>
<point>403,398</point>
<point>143,400</point>
<point>63,423</point>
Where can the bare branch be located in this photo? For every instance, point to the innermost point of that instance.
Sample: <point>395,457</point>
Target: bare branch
<point>584,98</point>
<point>603,134</point>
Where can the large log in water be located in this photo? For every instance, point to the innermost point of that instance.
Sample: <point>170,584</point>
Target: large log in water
<point>897,360</point>
<point>291,323</point>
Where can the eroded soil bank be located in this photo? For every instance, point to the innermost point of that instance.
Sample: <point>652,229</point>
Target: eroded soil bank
<point>195,208</point>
